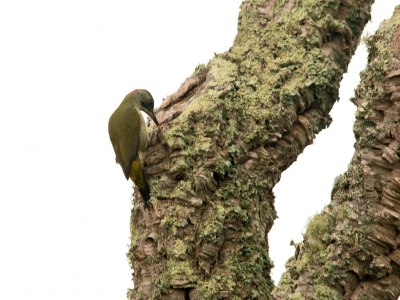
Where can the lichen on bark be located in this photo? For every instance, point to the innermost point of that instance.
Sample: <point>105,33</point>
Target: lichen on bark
<point>225,137</point>
<point>351,249</point>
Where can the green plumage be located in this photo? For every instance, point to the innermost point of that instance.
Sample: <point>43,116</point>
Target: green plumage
<point>128,135</point>
<point>125,128</point>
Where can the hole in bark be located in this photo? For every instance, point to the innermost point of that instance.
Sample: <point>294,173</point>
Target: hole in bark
<point>179,177</point>
<point>216,176</point>
<point>187,294</point>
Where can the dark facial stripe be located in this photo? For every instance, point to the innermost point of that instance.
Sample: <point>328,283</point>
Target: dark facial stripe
<point>147,105</point>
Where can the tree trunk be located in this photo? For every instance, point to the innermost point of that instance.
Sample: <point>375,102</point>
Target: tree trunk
<point>224,139</point>
<point>351,250</point>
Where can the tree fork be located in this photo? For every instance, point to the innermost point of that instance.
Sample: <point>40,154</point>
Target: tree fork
<point>351,250</point>
<point>224,139</point>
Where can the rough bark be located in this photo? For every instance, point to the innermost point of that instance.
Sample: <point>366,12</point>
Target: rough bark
<point>352,249</point>
<point>225,137</point>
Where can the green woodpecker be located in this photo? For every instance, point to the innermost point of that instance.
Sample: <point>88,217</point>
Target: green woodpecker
<point>128,135</point>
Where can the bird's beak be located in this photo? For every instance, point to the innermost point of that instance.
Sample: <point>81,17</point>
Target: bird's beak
<point>153,117</point>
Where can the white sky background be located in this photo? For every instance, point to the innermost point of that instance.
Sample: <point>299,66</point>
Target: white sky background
<point>64,68</point>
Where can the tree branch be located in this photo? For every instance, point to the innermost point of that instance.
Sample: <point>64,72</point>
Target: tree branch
<point>351,250</point>
<point>226,136</point>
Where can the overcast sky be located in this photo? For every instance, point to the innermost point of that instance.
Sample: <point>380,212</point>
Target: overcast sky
<point>64,68</point>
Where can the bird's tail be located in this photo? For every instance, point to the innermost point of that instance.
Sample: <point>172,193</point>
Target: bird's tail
<point>137,176</point>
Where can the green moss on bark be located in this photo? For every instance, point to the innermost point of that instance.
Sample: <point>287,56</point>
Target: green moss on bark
<point>227,149</point>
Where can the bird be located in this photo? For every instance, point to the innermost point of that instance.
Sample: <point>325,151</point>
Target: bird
<point>129,138</point>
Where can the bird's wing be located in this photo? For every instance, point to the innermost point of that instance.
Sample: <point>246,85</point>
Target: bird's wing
<point>124,129</point>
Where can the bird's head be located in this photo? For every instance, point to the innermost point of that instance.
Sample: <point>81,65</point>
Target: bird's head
<point>144,101</point>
